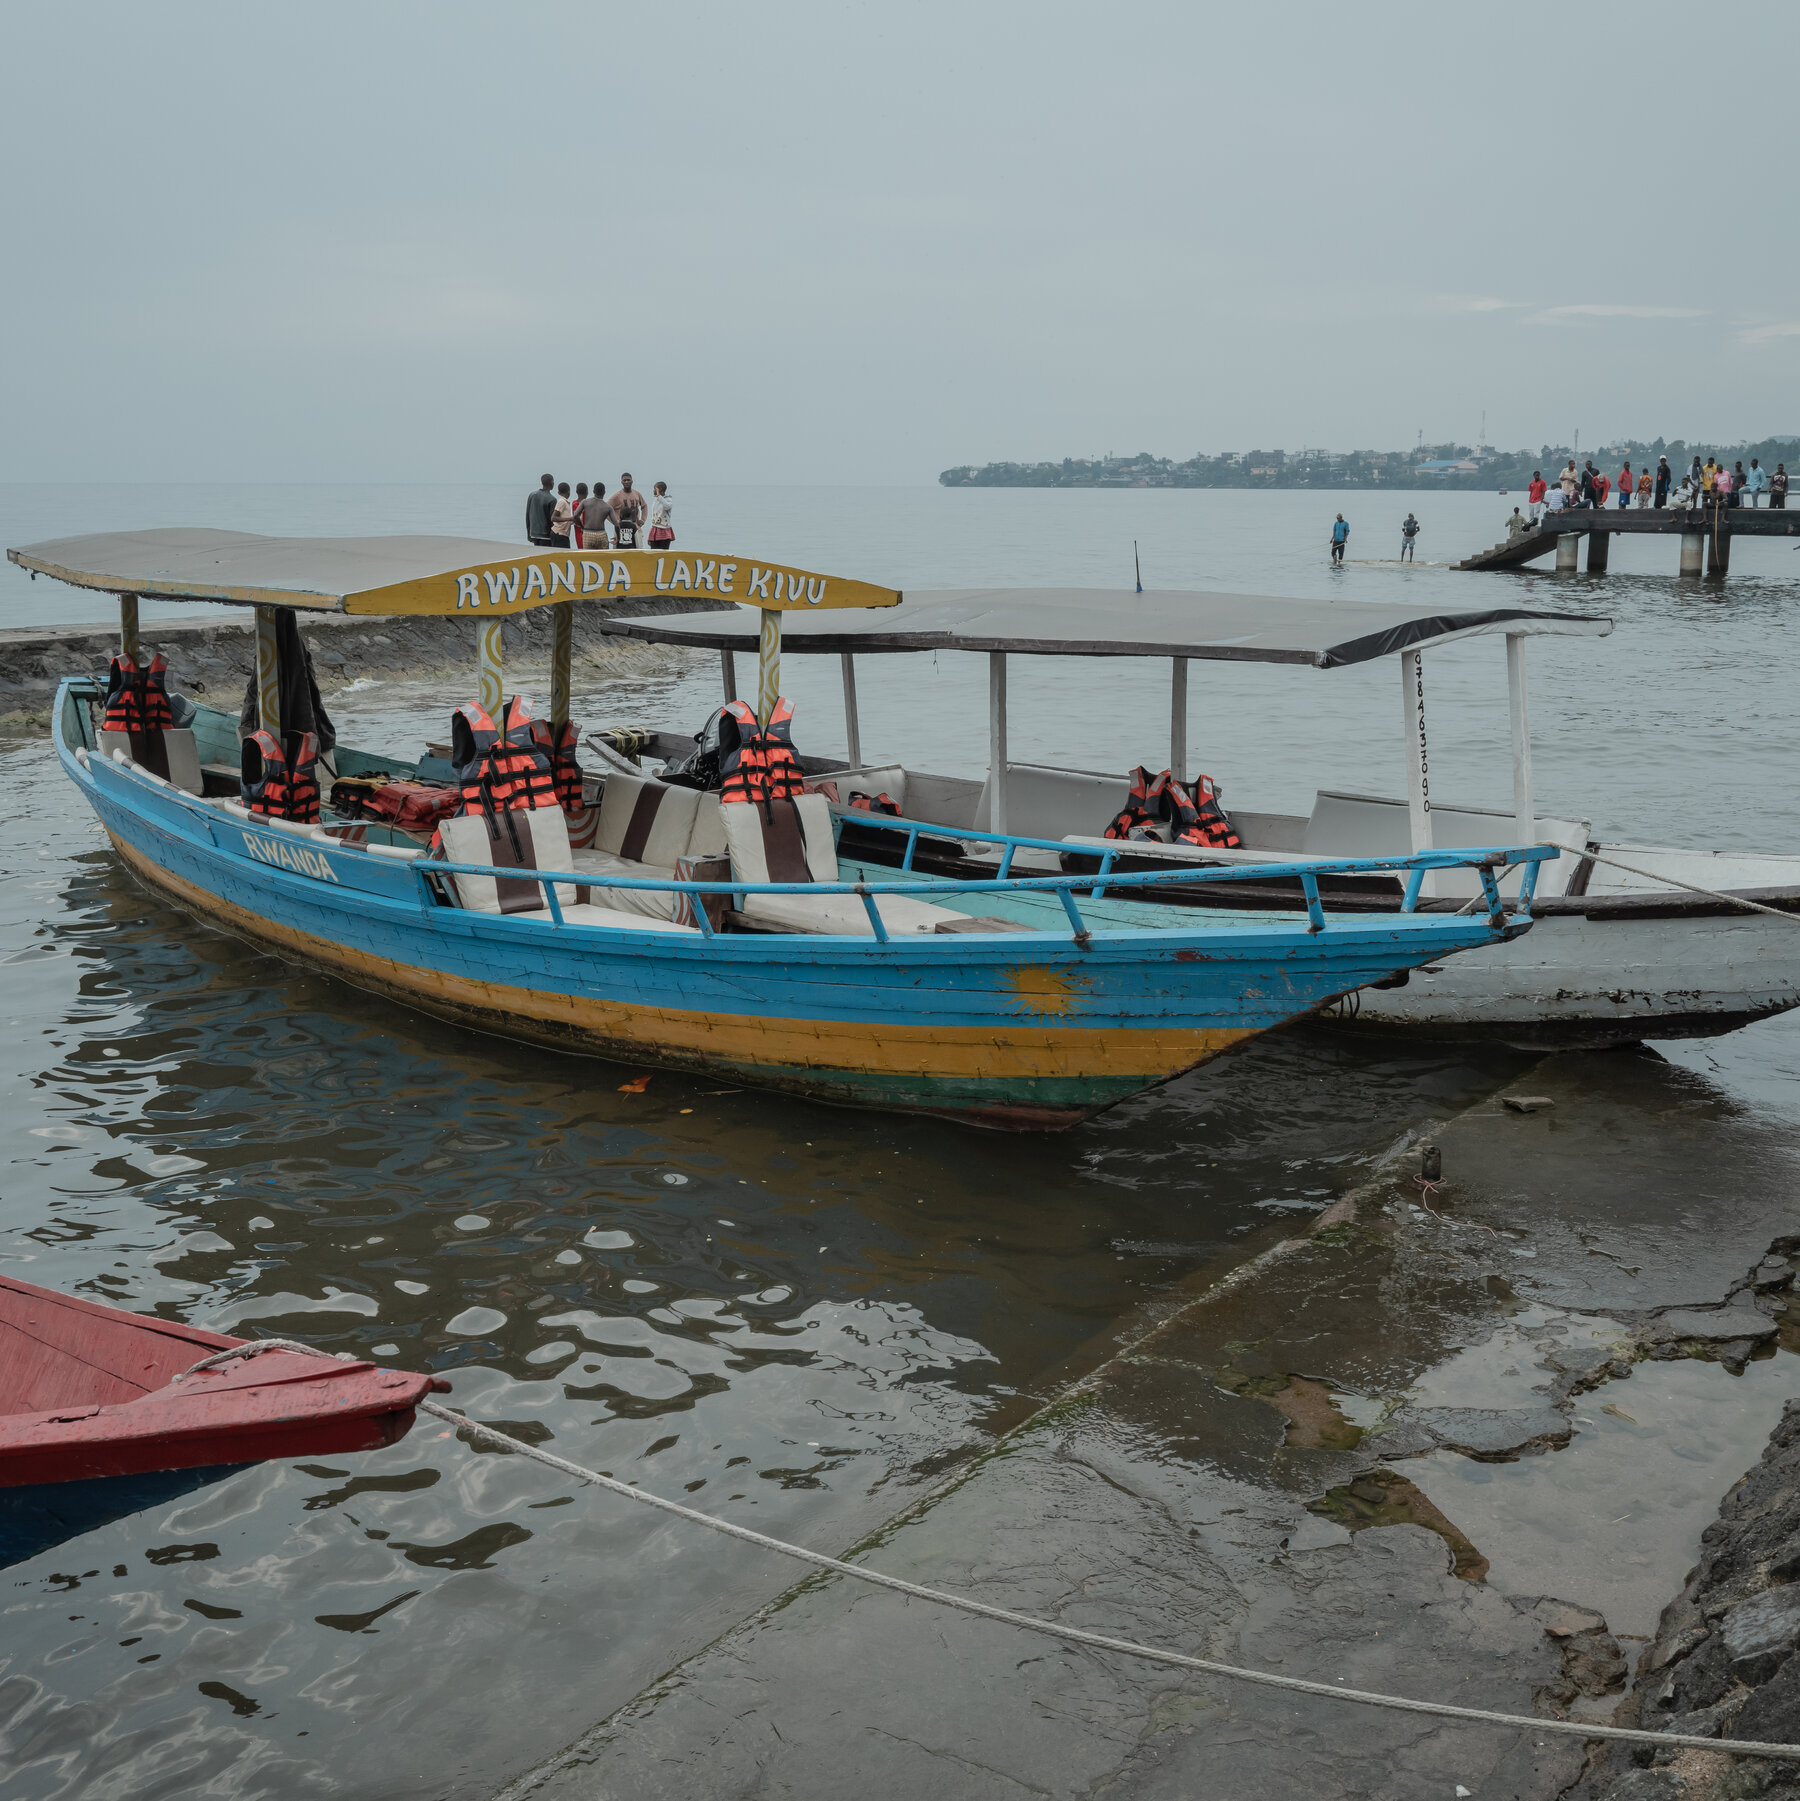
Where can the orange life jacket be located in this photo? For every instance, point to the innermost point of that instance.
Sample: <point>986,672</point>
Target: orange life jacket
<point>873,803</point>
<point>756,761</point>
<point>273,785</point>
<point>499,768</point>
<point>565,771</point>
<point>137,699</point>
<point>1190,811</point>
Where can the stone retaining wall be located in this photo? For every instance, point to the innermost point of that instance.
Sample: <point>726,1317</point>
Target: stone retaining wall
<point>212,656</point>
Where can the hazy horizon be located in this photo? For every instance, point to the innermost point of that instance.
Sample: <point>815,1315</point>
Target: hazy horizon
<point>843,244</point>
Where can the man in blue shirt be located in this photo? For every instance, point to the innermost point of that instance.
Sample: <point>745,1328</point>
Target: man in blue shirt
<point>1339,533</point>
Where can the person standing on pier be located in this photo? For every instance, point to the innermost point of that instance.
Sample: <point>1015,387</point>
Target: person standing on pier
<point>1644,487</point>
<point>1778,489</point>
<point>1340,536</point>
<point>595,516</point>
<point>540,509</point>
<point>1535,495</point>
<point>1664,476</point>
<point>1589,481</point>
<point>1758,482</point>
<point>1737,485</point>
<point>1570,483</point>
<point>628,513</point>
<point>662,518</point>
<point>1517,526</point>
<point>1627,487</point>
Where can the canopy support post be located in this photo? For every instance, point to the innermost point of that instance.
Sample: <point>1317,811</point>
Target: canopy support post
<point>997,741</point>
<point>268,673</point>
<point>768,665</point>
<point>852,725</point>
<point>128,626</point>
<point>728,668</point>
<point>490,668</point>
<point>1418,765</point>
<point>562,661</point>
<point>1524,824</point>
<point>1178,720</point>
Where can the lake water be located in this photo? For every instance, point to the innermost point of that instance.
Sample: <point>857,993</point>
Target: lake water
<point>786,1313</point>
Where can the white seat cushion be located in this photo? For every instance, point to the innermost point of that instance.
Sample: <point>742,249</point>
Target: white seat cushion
<point>707,839</point>
<point>645,821</point>
<point>845,915</point>
<point>791,842</point>
<point>466,841</point>
<point>588,915</point>
<point>178,747</point>
<point>656,903</point>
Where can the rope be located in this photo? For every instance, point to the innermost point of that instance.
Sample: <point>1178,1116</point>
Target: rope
<point>1732,900</point>
<point>255,1348</point>
<point>1099,1641</point>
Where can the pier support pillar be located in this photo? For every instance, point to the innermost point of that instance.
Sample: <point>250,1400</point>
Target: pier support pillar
<point>268,673</point>
<point>1692,544</point>
<point>1568,551</point>
<point>128,626</point>
<point>1718,552</point>
<point>1599,544</point>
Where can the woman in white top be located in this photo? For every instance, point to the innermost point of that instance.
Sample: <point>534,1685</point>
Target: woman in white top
<point>662,529</point>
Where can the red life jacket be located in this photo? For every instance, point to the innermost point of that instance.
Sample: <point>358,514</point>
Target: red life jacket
<point>565,771</point>
<point>758,761</point>
<point>137,699</point>
<point>273,785</point>
<point>499,768</point>
<point>1189,810</point>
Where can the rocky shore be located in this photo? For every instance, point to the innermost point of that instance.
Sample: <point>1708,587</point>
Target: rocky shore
<point>212,656</point>
<point>1723,1661</point>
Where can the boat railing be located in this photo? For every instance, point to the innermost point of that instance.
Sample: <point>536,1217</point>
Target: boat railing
<point>426,872</point>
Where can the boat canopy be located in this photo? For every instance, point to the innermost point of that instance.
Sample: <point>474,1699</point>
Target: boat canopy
<point>1105,622</point>
<point>468,577</point>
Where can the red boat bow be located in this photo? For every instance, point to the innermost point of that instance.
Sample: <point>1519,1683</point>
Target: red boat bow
<point>94,1391</point>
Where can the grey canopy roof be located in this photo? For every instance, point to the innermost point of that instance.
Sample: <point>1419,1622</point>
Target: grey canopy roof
<point>1104,622</point>
<point>194,563</point>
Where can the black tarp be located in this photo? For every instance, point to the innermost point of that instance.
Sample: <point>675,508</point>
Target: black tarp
<point>301,708</point>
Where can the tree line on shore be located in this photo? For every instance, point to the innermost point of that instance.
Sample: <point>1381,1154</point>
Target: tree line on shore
<point>1428,466</point>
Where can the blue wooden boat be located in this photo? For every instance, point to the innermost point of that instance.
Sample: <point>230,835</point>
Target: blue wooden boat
<point>978,1006</point>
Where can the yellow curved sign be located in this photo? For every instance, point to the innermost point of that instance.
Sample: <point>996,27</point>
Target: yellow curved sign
<point>545,576</point>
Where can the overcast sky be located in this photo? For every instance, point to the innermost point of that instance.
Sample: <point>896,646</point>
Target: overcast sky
<point>860,243</point>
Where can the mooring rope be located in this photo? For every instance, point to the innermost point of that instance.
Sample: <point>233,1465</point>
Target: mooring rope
<point>1098,1640</point>
<point>1732,900</point>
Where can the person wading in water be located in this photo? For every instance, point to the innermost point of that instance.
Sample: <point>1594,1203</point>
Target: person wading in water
<point>1340,534</point>
<point>1409,536</point>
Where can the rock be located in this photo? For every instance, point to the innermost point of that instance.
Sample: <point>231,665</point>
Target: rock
<point>1563,1619</point>
<point>1316,1534</point>
<point>1486,1434</point>
<point>1773,1712</point>
<point>1774,1273</point>
<point>1713,1326</point>
<point>1696,1682</point>
<point>1759,1634</point>
<point>1526,1103</point>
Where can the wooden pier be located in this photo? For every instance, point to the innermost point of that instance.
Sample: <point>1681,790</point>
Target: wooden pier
<point>1705,534</point>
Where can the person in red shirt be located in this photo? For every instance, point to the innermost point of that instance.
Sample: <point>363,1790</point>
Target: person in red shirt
<point>1626,486</point>
<point>1602,488</point>
<point>1535,495</point>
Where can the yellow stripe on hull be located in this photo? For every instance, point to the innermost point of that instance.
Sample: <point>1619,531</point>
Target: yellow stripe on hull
<point>1022,1051</point>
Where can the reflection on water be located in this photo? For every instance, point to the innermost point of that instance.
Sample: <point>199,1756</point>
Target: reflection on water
<point>793,1315</point>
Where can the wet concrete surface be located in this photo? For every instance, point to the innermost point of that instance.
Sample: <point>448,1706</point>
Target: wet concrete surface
<point>1457,1443</point>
